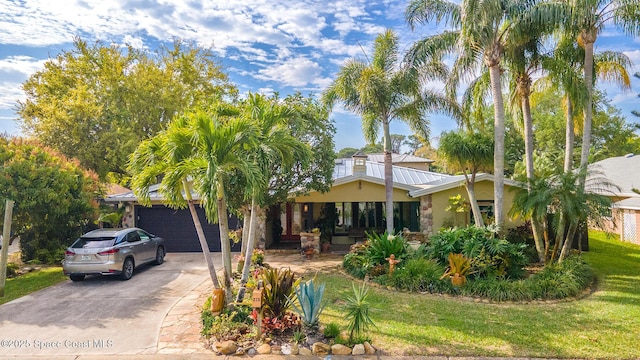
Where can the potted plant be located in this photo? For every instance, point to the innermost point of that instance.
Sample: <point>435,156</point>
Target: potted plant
<point>308,251</point>
<point>459,268</point>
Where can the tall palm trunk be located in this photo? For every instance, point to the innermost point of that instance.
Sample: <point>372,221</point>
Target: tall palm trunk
<point>203,241</point>
<point>559,236</point>
<point>388,176</point>
<point>475,208</point>
<point>588,39</point>
<point>536,226</point>
<point>251,241</point>
<point>498,153</point>
<point>223,222</point>
<point>569,138</point>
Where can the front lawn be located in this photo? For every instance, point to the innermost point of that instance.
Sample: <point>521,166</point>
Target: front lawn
<point>30,282</point>
<point>602,325</point>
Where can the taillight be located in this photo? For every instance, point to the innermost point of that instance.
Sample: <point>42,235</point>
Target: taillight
<point>109,252</point>
<point>69,253</point>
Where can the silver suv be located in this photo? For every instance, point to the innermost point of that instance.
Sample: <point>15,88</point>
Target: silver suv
<point>112,252</point>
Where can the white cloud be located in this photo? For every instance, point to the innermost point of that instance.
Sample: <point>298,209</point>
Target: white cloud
<point>25,65</point>
<point>10,93</point>
<point>295,72</point>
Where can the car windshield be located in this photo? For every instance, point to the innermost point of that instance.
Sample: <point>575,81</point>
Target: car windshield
<point>93,243</point>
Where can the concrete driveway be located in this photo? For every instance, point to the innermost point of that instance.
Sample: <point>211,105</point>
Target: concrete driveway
<point>101,315</point>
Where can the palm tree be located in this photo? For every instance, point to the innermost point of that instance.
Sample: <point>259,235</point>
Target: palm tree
<point>563,72</point>
<point>199,151</point>
<point>569,204</point>
<point>381,91</point>
<point>469,153</point>
<point>588,19</point>
<point>276,148</point>
<point>481,30</point>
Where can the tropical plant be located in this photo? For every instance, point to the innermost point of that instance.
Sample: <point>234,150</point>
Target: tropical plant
<point>275,147</point>
<point>568,203</point>
<point>357,312</point>
<point>469,153</point>
<point>382,246</point>
<point>459,266</point>
<point>278,291</point>
<point>198,152</point>
<point>380,91</point>
<point>482,30</point>
<point>310,304</point>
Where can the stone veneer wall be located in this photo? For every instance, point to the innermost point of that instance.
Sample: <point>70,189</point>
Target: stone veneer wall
<point>426,215</point>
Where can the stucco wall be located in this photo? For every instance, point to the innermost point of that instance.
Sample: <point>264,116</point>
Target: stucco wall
<point>484,191</point>
<point>356,191</point>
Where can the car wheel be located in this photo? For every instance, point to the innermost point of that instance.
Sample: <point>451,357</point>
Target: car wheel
<point>159,255</point>
<point>127,269</point>
<point>76,277</point>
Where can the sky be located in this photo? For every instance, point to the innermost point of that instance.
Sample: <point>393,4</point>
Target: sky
<point>263,45</point>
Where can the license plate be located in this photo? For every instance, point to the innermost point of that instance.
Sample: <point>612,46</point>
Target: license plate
<point>85,258</point>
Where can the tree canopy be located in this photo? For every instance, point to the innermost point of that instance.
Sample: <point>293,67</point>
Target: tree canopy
<point>96,102</point>
<point>55,199</point>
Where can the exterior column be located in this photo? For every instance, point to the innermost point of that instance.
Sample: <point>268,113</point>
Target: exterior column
<point>426,215</point>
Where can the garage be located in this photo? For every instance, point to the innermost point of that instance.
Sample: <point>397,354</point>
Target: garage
<point>177,229</point>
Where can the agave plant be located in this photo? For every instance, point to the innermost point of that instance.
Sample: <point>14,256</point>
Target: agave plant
<point>309,304</point>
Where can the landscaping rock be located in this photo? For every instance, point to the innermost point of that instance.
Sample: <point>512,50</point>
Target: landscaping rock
<point>295,349</point>
<point>286,349</point>
<point>368,348</point>
<point>252,352</point>
<point>320,349</point>
<point>226,347</point>
<point>276,350</point>
<point>304,351</point>
<point>264,349</point>
<point>339,349</point>
<point>358,349</point>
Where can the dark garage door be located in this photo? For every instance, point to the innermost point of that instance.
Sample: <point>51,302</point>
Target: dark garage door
<point>177,229</point>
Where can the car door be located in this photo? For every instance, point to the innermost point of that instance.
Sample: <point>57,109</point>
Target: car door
<point>148,246</point>
<point>135,247</point>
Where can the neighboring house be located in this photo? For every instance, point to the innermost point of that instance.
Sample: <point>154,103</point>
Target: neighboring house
<point>174,226</point>
<point>356,202</point>
<point>624,172</point>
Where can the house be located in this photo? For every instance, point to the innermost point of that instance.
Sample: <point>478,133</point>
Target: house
<point>175,226</point>
<point>624,172</point>
<point>354,205</point>
<point>356,202</point>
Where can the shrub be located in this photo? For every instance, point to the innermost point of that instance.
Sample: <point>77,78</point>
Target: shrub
<point>356,264</point>
<point>228,325</point>
<point>380,247</point>
<point>490,256</point>
<point>278,289</point>
<point>331,330</point>
<point>419,274</point>
<point>12,269</point>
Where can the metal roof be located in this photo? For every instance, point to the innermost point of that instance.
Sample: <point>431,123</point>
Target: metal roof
<point>402,175</point>
<point>399,158</point>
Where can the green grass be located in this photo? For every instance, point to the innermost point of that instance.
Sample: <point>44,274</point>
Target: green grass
<point>605,324</point>
<point>30,282</point>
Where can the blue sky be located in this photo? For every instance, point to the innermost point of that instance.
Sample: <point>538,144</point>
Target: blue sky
<point>264,45</point>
